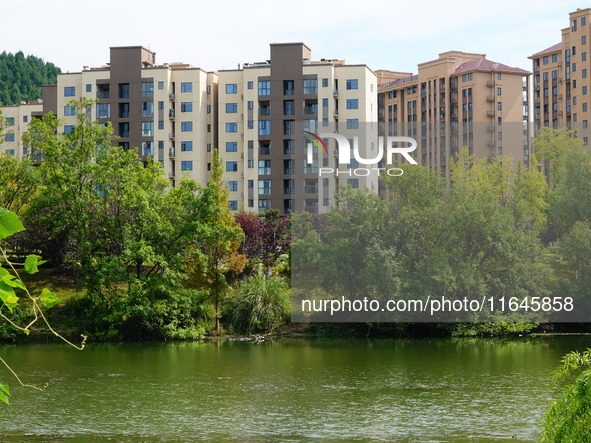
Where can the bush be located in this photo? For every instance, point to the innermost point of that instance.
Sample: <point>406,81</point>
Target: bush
<point>569,417</point>
<point>259,304</point>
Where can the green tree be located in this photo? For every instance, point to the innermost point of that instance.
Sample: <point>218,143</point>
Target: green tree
<point>219,241</point>
<point>568,419</point>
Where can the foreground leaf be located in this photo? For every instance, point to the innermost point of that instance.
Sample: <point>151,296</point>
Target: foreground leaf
<point>4,393</point>
<point>9,223</point>
<point>48,298</point>
<point>32,262</point>
<point>8,296</point>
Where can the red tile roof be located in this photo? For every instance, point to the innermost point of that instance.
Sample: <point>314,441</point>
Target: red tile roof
<point>556,47</point>
<point>485,64</point>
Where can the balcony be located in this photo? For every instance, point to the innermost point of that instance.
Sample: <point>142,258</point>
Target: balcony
<point>171,152</point>
<point>490,98</point>
<point>490,128</point>
<point>171,114</point>
<point>490,83</point>
<point>171,135</point>
<point>490,113</point>
<point>335,93</point>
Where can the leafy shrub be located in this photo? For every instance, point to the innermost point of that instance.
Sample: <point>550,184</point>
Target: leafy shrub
<point>259,304</point>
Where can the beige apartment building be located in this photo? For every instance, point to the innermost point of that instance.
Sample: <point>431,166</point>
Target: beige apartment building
<point>166,112</point>
<point>17,119</point>
<point>264,109</point>
<point>562,78</point>
<point>459,99</point>
<point>174,113</point>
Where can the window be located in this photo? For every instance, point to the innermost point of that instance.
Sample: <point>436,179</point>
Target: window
<point>231,127</point>
<point>147,129</point>
<point>231,88</point>
<point>311,108</point>
<point>69,91</point>
<point>186,146</point>
<point>68,129</point>
<point>584,107</point>
<point>583,39</point>
<point>25,118</point>
<point>265,87</point>
<point>233,186</point>
<point>352,103</point>
<point>288,147</point>
<point>546,60</point>
<point>288,127</point>
<point>352,123</point>
<point>147,89</point>
<point>231,147</point>
<point>208,109</point>
<point>554,58</point>
<point>583,21</point>
<point>264,187</point>
<point>264,127</point>
<point>233,205</point>
<point>250,85</point>
<point>500,91</point>
<point>71,110</point>
<point>187,87</point>
<point>584,90</point>
<point>9,137</point>
<point>310,86</point>
<point>124,129</point>
<point>186,165</point>
<point>264,204</point>
<point>88,87</point>
<point>231,166</point>
<point>325,83</point>
<point>311,125</point>
<point>123,110</point>
<point>288,87</point>
<point>160,105</point>
<point>499,106</point>
<point>499,75</point>
<point>545,76</point>
<point>186,126</point>
<point>186,106</point>
<point>123,90</point>
<point>160,85</point>
<point>288,107</point>
<point>584,73</point>
<point>103,110</point>
<point>264,167</point>
<point>231,108</point>
<point>147,109</point>
<point>583,56</point>
<point>353,182</point>
<point>352,84</point>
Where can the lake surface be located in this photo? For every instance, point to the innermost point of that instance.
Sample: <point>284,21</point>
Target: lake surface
<point>416,390</point>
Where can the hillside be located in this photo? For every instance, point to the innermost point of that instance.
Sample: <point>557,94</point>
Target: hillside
<point>21,77</point>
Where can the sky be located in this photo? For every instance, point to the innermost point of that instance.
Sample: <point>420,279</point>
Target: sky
<point>212,35</point>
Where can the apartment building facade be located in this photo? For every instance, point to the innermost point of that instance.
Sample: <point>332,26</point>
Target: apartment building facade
<point>264,109</point>
<point>17,119</point>
<point>460,99</point>
<point>165,112</point>
<point>562,78</point>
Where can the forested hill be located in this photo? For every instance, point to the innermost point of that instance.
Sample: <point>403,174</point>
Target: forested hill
<point>21,77</point>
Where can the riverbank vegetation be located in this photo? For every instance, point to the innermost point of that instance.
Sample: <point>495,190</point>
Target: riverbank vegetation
<point>143,261</point>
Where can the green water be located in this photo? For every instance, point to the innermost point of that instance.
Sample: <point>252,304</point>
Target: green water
<point>288,390</point>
